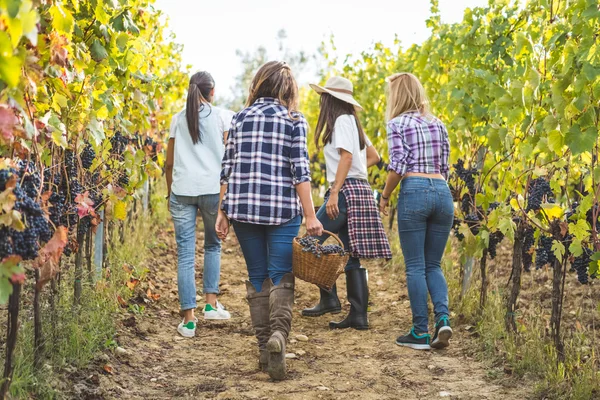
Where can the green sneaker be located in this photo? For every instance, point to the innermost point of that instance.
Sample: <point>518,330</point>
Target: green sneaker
<point>219,312</point>
<point>443,333</point>
<point>414,341</point>
<point>187,330</point>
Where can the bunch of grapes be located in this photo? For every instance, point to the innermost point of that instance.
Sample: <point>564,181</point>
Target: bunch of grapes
<point>527,242</point>
<point>466,175</point>
<point>312,245</point>
<point>37,231</point>
<point>123,180</point>
<point>465,203</point>
<point>543,253</point>
<point>495,239</point>
<point>70,165</point>
<point>118,143</point>
<point>87,156</point>
<point>455,228</point>
<point>581,264</point>
<point>538,188</point>
<point>472,221</point>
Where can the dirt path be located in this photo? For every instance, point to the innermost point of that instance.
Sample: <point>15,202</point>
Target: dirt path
<point>221,361</point>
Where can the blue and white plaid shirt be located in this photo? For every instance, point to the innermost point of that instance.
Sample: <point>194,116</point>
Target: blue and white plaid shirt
<point>265,158</point>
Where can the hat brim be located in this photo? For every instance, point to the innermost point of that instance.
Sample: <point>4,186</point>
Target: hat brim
<point>341,96</point>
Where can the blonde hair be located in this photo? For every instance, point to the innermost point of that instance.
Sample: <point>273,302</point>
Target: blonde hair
<point>405,93</point>
<point>275,79</point>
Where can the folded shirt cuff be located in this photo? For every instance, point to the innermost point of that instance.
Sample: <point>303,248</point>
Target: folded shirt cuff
<point>397,167</point>
<point>302,179</point>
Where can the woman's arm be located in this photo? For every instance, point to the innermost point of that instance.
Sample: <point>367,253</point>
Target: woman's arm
<point>392,181</point>
<point>340,177</point>
<point>313,225</point>
<point>222,225</point>
<point>169,164</point>
<point>372,156</point>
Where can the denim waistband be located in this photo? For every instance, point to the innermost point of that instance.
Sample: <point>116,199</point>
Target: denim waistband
<point>422,182</point>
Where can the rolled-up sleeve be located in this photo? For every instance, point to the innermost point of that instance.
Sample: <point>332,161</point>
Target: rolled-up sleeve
<point>445,153</point>
<point>300,166</point>
<point>229,156</point>
<point>399,150</point>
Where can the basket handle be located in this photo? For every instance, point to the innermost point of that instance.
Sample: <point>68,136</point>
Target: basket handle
<point>333,235</point>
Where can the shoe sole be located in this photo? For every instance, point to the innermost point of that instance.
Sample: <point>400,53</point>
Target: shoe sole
<point>277,365</point>
<point>332,311</point>
<point>186,335</point>
<point>216,318</point>
<point>443,339</point>
<point>414,346</point>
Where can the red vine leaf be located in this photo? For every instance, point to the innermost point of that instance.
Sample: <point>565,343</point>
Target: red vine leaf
<point>8,120</point>
<point>85,205</point>
<point>49,256</point>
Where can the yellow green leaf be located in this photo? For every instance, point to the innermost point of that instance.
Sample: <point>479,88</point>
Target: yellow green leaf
<point>62,20</point>
<point>102,113</point>
<point>552,211</point>
<point>120,210</point>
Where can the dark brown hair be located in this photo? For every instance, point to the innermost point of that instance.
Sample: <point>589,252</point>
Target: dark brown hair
<point>199,95</point>
<point>275,79</point>
<point>331,109</point>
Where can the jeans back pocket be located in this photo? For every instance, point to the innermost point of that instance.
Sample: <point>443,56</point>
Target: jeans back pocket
<point>412,201</point>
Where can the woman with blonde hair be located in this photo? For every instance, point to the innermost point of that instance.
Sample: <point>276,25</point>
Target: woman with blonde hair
<point>265,189</point>
<point>418,150</point>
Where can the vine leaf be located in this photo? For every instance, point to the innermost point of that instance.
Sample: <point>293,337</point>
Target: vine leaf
<point>98,51</point>
<point>49,256</point>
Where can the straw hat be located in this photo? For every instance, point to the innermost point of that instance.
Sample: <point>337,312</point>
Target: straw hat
<point>340,88</point>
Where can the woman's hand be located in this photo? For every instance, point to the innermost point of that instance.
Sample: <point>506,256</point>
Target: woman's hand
<point>383,204</point>
<point>222,225</point>
<point>314,226</point>
<point>332,208</point>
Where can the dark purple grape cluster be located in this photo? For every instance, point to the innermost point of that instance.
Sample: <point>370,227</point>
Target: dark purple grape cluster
<point>87,156</point>
<point>580,265</point>
<point>544,254</point>
<point>495,239</point>
<point>312,245</point>
<point>472,221</point>
<point>465,203</point>
<point>528,242</point>
<point>455,229</point>
<point>118,143</point>
<point>70,164</point>
<point>37,231</point>
<point>123,180</point>
<point>466,175</point>
<point>537,190</point>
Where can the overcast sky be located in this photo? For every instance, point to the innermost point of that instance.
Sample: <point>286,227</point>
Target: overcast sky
<point>211,31</point>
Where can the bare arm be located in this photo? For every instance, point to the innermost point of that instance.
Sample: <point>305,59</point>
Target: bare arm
<point>340,177</point>
<point>393,179</point>
<point>313,226</point>
<point>169,164</point>
<point>372,156</point>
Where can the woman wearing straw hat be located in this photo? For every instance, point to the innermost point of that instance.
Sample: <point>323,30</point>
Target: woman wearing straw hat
<point>349,209</point>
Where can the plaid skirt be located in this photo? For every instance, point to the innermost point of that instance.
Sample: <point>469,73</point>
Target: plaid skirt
<point>365,230</point>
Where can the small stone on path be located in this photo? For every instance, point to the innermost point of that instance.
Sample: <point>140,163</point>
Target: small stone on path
<point>322,388</point>
<point>445,394</point>
<point>300,352</point>
<point>290,355</point>
<point>302,338</point>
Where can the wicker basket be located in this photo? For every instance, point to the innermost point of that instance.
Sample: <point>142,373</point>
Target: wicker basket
<point>322,271</point>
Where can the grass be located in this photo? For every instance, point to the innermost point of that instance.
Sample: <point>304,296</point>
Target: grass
<point>75,336</point>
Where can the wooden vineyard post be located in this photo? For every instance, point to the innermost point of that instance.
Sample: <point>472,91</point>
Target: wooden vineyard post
<point>484,282</point>
<point>467,273</point>
<point>11,338</point>
<point>515,283</point>
<point>146,195</point>
<point>558,287</point>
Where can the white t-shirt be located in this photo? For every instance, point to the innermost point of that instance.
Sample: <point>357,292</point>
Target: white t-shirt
<point>345,136</point>
<point>197,167</point>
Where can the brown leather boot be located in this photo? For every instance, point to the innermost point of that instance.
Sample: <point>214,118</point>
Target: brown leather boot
<point>259,313</point>
<point>280,304</point>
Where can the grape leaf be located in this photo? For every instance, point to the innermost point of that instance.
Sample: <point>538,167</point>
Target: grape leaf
<point>98,51</point>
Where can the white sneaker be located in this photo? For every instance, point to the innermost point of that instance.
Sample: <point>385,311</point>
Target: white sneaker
<point>187,330</point>
<point>219,313</point>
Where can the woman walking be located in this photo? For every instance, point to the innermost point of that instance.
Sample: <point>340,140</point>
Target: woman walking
<point>419,149</point>
<point>265,188</point>
<point>349,209</point>
<point>194,154</point>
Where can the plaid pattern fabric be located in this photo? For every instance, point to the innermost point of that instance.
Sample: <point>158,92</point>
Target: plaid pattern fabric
<point>365,230</point>
<point>265,158</point>
<point>418,144</point>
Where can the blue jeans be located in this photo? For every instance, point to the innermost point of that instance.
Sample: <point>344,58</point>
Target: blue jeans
<point>267,249</point>
<point>339,226</point>
<point>425,216</point>
<point>184,210</point>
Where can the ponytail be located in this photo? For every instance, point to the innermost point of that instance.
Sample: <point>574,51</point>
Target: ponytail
<point>199,94</point>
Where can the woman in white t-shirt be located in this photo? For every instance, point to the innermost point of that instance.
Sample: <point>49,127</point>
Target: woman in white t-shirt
<point>194,154</point>
<point>349,209</point>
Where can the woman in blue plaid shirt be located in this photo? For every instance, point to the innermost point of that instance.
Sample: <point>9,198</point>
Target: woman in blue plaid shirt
<point>265,189</point>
